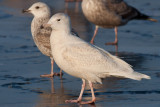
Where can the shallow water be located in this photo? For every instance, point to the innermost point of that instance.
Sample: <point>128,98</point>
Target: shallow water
<point>21,63</point>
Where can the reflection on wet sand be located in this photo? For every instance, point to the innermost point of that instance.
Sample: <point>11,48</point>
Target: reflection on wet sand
<point>77,4</point>
<point>79,22</point>
<point>55,97</point>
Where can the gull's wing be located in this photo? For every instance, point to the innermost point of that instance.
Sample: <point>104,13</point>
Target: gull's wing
<point>88,57</point>
<point>124,10</point>
<point>43,37</point>
<point>94,62</point>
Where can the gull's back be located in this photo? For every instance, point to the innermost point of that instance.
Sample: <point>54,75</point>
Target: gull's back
<point>99,12</point>
<point>111,13</point>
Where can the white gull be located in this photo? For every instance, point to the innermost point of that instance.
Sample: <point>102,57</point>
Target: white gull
<point>84,60</point>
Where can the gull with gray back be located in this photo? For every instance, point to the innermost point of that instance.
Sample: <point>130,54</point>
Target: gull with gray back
<point>111,14</point>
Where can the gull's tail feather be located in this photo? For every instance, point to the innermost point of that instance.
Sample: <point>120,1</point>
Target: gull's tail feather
<point>138,76</point>
<point>125,70</point>
<point>133,75</point>
<point>145,17</point>
<point>141,16</point>
<point>120,62</point>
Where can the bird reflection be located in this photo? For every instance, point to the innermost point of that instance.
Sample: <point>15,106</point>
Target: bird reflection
<point>116,50</point>
<point>89,105</point>
<point>56,97</point>
<point>77,3</point>
<point>79,22</point>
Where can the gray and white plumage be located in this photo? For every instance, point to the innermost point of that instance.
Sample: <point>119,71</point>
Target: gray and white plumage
<point>111,14</point>
<point>41,36</point>
<point>81,59</point>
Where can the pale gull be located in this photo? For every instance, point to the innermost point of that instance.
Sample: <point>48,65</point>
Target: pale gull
<point>41,36</point>
<point>110,14</point>
<point>84,60</point>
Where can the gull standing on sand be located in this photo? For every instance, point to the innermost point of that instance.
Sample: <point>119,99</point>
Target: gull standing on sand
<point>110,14</point>
<point>41,36</point>
<point>84,60</point>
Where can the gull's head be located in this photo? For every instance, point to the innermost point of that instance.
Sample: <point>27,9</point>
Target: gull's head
<point>60,21</point>
<point>38,9</point>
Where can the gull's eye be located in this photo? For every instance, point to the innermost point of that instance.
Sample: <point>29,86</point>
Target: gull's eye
<point>58,20</point>
<point>37,7</point>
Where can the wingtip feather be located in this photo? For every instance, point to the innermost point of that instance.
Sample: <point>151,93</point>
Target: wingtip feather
<point>153,20</point>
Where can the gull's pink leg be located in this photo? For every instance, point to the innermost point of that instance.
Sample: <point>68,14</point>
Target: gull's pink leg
<point>55,74</point>
<point>116,47</point>
<point>52,73</point>
<point>77,7</point>
<point>52,85</point>
<point>80,96</point>
<point>116,38</point>
<point>66,7</point>
<point>60,74</point>
<point>95,33</point>
<point>52,63</point>
<point>93,96</point>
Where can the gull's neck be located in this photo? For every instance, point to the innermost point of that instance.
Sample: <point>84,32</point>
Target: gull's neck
<point>58,36</point>
<point>63,33</point>
<point>64,30</point>
<point>37,22</point>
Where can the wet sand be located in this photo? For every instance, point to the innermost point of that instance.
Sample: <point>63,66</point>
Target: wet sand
<point>21,63</point>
